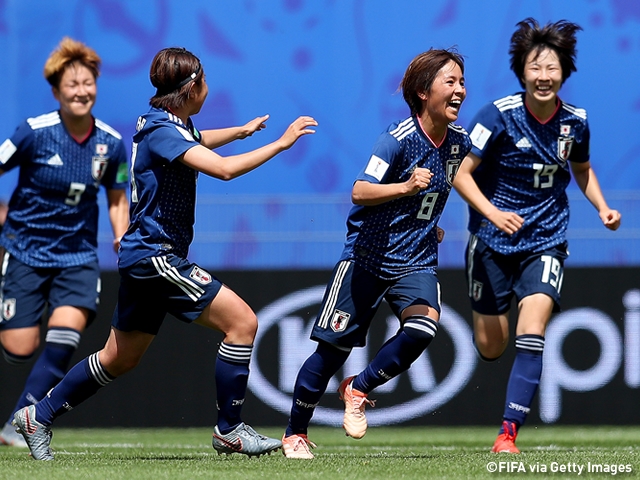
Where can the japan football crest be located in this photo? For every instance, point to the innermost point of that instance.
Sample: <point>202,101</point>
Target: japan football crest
<point>476,290</point>
<point>98,167</point>
<point>99,162</point>
<point>565,142</point>
<point>8,308</point>
<point>201,276</point>
<point>452,167</point>
<point>339,321</point>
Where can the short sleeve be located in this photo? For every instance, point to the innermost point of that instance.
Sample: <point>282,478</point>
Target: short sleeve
<point>383,155</point>
<point>486,127</point>
<point>17,148</point>
<point>170,141</point>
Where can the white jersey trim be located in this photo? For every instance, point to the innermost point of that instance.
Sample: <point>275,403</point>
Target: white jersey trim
<point>106,128</point>
<point>42,121</point>
<point>403,129</point>
<point>578,112</point>
<point>508,103</point>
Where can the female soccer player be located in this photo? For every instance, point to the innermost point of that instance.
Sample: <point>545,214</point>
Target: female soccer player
<point>514,179</point>
<point>156,277</point>
<point>50,234</point>
<point>391,248</point>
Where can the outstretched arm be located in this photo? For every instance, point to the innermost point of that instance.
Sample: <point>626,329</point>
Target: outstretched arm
<point>588,183</point>
<point>221,136</point>
<point>226,168</point>
<point>466,186</point>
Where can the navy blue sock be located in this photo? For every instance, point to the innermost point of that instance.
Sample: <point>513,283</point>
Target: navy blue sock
<point>524,378</point>
<point>61,343</point>
<point>311,383</point>
<point>81,382</point>
<point>232,375</point>
<point>398,353</point>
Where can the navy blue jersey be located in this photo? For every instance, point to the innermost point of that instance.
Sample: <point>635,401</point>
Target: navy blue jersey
<point>163,189</point>
<point>399,237</point>
<point>53,212</point>
<point>525,170</point>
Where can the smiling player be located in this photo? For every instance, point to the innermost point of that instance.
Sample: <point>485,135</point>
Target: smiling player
<point>525,148</point>
<point>50,235</point>
<point>391,249</point>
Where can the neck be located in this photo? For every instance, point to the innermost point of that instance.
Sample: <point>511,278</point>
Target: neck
<point>181,113</point>
<point>435,132</point>
<point>541,110</point>
<point>78,127</point>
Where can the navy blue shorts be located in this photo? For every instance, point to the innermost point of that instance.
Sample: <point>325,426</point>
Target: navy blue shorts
<point>353,296</point>
<point>155,286</point>
<point>493,279</point>
<point>25,291</point>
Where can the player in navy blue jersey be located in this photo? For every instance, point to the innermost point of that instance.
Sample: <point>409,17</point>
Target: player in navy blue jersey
<point>525,148</point>
<point>391,249</point>
<point>156,277</point>
<point>50,234</point>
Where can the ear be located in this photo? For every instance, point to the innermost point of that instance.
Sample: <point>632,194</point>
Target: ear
<point>423,96</point>
<point>56,93</point>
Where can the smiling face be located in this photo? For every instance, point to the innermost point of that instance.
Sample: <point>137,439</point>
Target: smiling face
<point>442,102</point>
<point>542,78</point>
<point>76,91</point>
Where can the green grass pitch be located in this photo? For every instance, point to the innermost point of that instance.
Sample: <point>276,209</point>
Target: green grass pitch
<point>384,453</point>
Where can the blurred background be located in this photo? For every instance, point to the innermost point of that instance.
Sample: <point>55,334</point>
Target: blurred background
<point>274,234</point>
<point>341,62</point>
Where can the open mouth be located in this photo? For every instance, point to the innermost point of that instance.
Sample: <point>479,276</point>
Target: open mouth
<point>455,104</point>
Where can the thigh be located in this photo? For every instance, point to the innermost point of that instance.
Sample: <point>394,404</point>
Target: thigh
<point>542,273</point>
<point>418,293</point>
<point>350,301</point>
<point>24,292</point>
<point>76,287</point>
<point>490,277</point>
<point>231,315</point>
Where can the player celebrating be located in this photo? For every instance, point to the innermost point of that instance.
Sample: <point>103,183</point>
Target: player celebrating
<point>391,248</point>
<point>515,180</point>
<point>50,234</point>
<point>156,277</point>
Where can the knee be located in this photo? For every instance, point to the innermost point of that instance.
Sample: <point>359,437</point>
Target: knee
<point>244,329</point>
<point>120,364</point>
<point>490,349</point>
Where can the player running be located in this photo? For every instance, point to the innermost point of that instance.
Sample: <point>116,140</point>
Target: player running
<point>525,148</point>
<point>391,249</point>
<point>51,232</point>
<point>156,277</point>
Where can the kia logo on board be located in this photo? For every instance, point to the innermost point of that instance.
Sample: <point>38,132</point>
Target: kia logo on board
<point>281,321</point>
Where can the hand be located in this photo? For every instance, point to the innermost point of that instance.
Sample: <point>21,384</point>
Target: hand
<point>508,222</point>
<point>420,179</point>
<point>610,218</point>
<point>254,125</point>
<point>297,129</point>
<point>116,244</point>
<point>440,234</point>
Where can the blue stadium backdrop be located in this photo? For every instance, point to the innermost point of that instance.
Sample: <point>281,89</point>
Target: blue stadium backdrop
<point>274,235</point>
<point>340,61</point>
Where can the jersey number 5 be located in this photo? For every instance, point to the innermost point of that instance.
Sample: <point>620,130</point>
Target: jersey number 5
<point>75,192</point>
